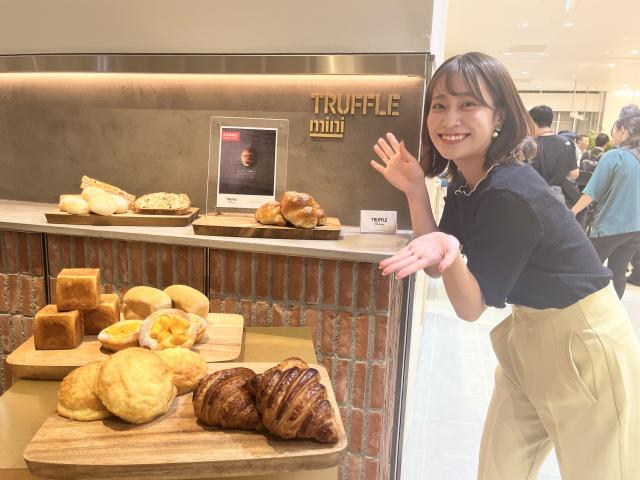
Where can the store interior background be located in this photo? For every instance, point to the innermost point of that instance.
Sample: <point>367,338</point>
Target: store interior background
<point>551,48</point>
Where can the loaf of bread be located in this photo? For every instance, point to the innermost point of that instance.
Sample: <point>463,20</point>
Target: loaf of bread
<point>300,209</point>
<point>55,330</point>
<point>87,182</point>
<point>107,313</point>
<point>73,204</point>
<point>163,203</point>
<point>90,192</point>
<point>140,302</point>
<point>102,204</point>
<point>121,204</point>
<point>78,289</point>
<point>269,214</point>
<point>188,300</point>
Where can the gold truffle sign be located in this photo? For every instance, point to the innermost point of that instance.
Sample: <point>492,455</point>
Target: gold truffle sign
<point>331,110</point>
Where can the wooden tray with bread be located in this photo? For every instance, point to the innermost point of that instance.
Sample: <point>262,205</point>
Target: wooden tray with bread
<point>295,216</point>
<point>189,441</point>
<point>103,204</point>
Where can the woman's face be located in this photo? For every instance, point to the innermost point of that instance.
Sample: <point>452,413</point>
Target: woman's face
<point>460,127</point>
<point>619,135</point>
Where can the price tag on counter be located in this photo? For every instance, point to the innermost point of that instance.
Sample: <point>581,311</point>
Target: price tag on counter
<point>378,221</point>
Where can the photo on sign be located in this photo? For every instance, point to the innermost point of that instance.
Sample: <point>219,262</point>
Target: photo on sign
<point>246,166</point>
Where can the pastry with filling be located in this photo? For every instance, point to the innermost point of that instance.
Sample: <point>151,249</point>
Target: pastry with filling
<point>121,335</point>
<point>187,367</point>
<point>136,385</point>
<point>201,326</point>
<point>78,395</point>
<point>167,328</point>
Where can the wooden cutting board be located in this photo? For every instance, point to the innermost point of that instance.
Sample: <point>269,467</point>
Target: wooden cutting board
<point>123,219</point>
<point>174,446</point>
<point>224,343</point>
<point>245,225</point>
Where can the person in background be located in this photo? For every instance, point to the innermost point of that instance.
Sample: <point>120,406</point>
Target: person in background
<point>634,277</point>
<point>569,360</point>
<point>555,159</point>
<point>590,158</point>
<point>615,186</point>
<point>582,143</point>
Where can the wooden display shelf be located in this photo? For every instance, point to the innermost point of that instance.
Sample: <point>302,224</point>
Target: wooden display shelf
<point>123,219</point>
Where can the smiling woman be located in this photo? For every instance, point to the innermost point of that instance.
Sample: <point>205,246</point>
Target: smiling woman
<point>569,362</point>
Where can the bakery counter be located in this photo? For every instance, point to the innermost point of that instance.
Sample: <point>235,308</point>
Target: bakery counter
<point>358,317</point>
<point>25,406</point>
<point>352,245</point>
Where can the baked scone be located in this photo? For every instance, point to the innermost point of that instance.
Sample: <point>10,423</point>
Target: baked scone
<point>140,302</point>
<point>136,385</point>
<point>121,335</point>
<point>167,328</point>
<point>187,367</point>
<point>188,299</point>
<point>222,399</point>
<point>107,313</point>
<point>269,214</point>
<point>54,330</point>
<point>78,395</point>
<point>201,326</point>
<point>78,289</point>
<point>293,403</point>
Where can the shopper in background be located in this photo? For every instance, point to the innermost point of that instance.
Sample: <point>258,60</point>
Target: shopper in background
<point>555,159</point>
<point>590,158</point>
<point>582,144</point>
<point>569,360</point>
<point>615,187</point>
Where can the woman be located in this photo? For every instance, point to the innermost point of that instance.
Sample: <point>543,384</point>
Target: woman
<point>615,186</point>
<point>569,361</point>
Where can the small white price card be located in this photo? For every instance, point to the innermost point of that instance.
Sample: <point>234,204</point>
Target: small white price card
<point>378,221</point>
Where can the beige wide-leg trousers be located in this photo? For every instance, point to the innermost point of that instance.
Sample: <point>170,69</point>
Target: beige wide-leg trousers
<point>570,379</point>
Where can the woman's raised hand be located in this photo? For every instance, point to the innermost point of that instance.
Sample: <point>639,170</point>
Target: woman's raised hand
<point>399,167</point>
<point>435,248</point>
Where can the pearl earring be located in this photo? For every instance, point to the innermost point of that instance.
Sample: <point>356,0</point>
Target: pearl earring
<point>495,133</point>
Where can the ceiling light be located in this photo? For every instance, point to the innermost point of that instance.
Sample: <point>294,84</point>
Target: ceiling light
<point>508,53</point>
<point>542,54</point>
<point>612,65</point>
<point>568,24</point>
<point>625,86</point>
<point>607,52</point>
<point>635,52</point>
<point>524,73</point>
<point>523,24</point>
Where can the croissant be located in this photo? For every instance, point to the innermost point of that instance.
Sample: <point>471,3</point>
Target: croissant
<point>293,403</point>
<point>222,399</point>
<point>269,214</point>
<point>300,209</point>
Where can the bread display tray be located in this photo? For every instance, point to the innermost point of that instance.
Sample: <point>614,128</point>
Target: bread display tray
<point>123,219</point>
<point>174,446</point>
<point>245,225</point>
<point>224,343</point>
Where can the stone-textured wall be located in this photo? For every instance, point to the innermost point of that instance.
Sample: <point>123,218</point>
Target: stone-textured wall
<point>352,310</point>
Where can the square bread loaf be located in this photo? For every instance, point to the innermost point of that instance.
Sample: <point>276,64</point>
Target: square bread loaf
<point>107,313</point>
<point>55,330</point>
<point>78,289</point>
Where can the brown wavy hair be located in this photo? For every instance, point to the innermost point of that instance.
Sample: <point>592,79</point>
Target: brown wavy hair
<point>514,142</point>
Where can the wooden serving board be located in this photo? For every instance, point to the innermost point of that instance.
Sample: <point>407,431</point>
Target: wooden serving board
<point>174,446</point>
<point>123,219</point>
<point>224,343</point>
<point>245,225</point>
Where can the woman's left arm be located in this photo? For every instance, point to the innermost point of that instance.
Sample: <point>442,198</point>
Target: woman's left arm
<point>583,202</point>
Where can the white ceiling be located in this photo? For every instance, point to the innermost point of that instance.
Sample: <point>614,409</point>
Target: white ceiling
<point>552,55</point>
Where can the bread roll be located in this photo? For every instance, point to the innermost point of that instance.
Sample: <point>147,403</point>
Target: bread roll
<point>300,209</point>
<point>269,214</point>
<point>74,205</point>
<point>78,289</point>
<point>188,300</point>
<point>121,204</point>
<point>140,302</point>
<point>188,367</point>
<point>78,395</point>
<point>90,192</point>
<point>102,204</point>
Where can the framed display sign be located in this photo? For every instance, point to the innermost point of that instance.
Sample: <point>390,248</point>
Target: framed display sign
<point>247,162</point>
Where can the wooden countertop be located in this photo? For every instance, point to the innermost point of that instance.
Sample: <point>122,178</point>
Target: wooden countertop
<point>352,245</point>
<point>25,406</point>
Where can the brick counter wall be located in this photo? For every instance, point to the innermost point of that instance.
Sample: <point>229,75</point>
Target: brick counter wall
<point>352,310</point>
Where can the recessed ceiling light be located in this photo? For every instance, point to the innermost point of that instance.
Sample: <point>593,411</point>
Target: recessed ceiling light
<point>508,53</point>
<point>625,86</point>
<point>612,65</point>
<point>568,24</point>
<point>524,73</point>
<point>635,52</point>
<point>523,24</point>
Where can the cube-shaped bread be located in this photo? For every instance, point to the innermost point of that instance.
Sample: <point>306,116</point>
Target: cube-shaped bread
<point>107,313</point>
<point>78,289</point>
<point>54,330</point>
